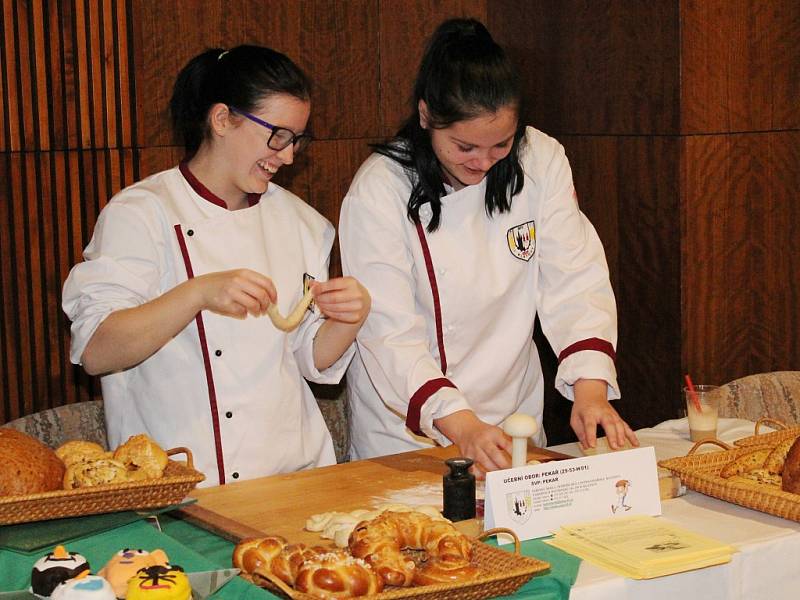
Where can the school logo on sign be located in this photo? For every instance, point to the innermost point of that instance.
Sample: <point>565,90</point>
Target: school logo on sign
<point>522,240</point>
<point>519,506</point>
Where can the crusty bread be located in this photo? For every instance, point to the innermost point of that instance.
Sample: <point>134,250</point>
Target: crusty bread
<point>746,462</point>
<point>776,458</point>
<point>100,471</point>
<point>75,451</point>
<point>791,469</point>
<point>27,466</point>
<point>143,458</point>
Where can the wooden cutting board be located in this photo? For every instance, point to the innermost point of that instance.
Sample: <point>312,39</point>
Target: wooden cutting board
<point>281,504</point>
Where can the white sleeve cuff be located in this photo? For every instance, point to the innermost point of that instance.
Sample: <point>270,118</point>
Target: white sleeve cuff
<point>587,364</point>
<point>444,402</point>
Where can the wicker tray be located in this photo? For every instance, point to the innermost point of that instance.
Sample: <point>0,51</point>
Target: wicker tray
<point>172,488</point>
<point>773,438</point>
<point>507,572</point>
<point>700,472</point>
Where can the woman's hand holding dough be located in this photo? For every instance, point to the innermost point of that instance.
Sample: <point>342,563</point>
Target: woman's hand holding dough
<point>236,293</point>
<point>486,444</point>
<point>342,299</point>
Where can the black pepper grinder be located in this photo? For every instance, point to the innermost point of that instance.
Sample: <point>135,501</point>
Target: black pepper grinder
<point>459,490</point>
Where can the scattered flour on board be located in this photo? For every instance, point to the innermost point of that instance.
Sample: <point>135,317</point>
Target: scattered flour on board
<point>427,493</point>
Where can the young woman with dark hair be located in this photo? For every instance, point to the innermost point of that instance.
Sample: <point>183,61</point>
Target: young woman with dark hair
<point>464,227</point>
<point>169,304</point>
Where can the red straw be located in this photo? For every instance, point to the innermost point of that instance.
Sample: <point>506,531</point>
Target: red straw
<point>693,394</point>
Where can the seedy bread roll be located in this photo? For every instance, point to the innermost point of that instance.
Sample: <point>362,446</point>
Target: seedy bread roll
<point>102,471</point>
<point>791,469</point>
<point>142,457</point>
<point>27,466</point>
<point>76,451</point>
<point>746,462</point>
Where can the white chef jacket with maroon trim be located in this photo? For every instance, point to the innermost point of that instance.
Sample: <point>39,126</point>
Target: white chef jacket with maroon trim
<point>231,390</point>
<point>453,311</point>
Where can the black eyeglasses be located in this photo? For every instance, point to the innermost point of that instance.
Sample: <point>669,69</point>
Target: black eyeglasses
<point>280,137</point>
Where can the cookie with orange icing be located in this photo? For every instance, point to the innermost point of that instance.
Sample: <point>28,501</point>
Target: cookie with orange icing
<point>160,582</point>
<point>57,566</point>
<point>126,563</point>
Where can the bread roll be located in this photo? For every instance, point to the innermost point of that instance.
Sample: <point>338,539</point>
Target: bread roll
<point>142,457</point>
<point>76,451</point>
<point>27,466</point>
<point>103,471</point>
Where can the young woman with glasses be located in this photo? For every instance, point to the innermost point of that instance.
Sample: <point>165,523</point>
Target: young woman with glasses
<point>169,305</point>
<point>464,227</point>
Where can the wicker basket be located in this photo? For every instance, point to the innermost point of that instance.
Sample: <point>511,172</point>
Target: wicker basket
<point>700,472</point>
<point>506,573</point>
<point>772,438</point>
<point>172,488</point>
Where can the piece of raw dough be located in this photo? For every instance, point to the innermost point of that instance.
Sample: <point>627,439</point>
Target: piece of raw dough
<point>295,317</point>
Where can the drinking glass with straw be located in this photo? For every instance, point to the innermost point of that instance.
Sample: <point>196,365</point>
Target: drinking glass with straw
<point>702,410</point>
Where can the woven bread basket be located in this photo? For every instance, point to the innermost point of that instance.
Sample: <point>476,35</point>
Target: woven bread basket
<point>170,489</point>
<point>773,438</point>
<point>506,572</point>
<point>700,472</point>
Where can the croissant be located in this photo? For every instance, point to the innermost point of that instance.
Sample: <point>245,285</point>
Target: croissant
<point>380,543</point>
<point>337,575</point>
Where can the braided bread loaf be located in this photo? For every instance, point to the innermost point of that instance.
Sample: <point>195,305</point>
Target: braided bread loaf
<point>317,571</point>
<point>273,555</point>
<point>337,575</point>
<point>380,543</point>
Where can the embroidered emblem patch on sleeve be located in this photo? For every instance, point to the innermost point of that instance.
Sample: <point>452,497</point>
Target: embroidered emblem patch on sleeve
<point>307,279</point>
<point>522,240</point>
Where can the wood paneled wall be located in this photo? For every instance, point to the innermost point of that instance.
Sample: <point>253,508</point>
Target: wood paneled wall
<point>740,176</point>
<point>679,117</point>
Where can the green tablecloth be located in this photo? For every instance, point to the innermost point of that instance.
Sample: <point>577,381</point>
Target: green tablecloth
<point>198,550</point>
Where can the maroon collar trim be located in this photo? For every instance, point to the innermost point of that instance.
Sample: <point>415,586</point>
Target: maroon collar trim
<point>207,194</point>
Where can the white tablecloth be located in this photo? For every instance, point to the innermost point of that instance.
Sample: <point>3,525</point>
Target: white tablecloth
<point>767,565</point>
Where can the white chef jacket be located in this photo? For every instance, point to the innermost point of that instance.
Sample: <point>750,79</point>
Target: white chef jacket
<point>230,390</point>
<point>486,278</point>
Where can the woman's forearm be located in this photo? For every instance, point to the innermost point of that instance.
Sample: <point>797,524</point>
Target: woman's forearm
<point>129,336</point>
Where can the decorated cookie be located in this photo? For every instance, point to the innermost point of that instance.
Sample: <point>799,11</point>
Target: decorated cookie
<point>84,587</point>
<point>54,568</point>
<point>160,583</point>
<point>126,563</point>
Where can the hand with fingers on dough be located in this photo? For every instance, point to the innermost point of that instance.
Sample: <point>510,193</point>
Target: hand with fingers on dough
<point>342,299</point>
<point>236,293</point>
<point>485,444</point>
<point>592,408</point>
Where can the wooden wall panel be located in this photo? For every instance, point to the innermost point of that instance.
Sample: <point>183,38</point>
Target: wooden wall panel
<point>628,187</point>
<point>404,27</point>
<point>161,50</point>
<point>740,65</point>
<point>600,67</point>
<point>61,67</point>
<point>342,61</point>
<point>48,205</point>
<point>740,256</point>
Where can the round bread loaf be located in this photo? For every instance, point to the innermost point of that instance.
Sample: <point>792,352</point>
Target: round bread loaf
<point>791,469</point>
<point>27,466</point>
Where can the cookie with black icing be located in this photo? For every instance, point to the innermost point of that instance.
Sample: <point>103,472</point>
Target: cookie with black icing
<point>59,565</point>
